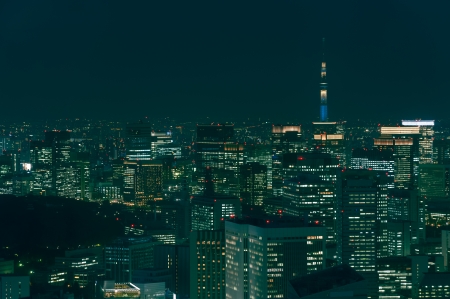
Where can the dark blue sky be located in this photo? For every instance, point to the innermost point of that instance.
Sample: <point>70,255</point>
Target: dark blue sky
<point>215,58</point>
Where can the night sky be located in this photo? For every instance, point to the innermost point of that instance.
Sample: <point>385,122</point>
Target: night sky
<point>185,59</point>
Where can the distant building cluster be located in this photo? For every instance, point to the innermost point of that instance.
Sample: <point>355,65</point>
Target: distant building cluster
<point>249,210</point>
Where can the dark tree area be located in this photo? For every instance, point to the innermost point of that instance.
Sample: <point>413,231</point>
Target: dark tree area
<point>32,225</point>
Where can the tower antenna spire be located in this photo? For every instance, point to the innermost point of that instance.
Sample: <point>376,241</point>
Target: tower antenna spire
<point>323,86</point>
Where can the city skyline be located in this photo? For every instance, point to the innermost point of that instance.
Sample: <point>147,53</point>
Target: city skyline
<point>253,59</point>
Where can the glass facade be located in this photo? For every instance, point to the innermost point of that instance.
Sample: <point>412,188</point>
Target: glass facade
<point>262,255</point>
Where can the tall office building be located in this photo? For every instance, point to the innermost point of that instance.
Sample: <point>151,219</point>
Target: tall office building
<point>406,220</point>
<point>262,255</point>
<point>138,141</point>
<point>161,144</point>
<point>52,167</point>
<point>125,254</point>
<point>362,221</point>
<point>399,277</point>
<point>404,141</point>
<point>177,215</point>
<point>434,181</point>
<point>445,241</point>
<point>426,129</point>
<point>216,148</point>
<point>322,164</point>
<point>310,197</point>
<point>14,286</point>
<point>435,285</point>
<point>253,183</point>
<point>323,87</point>
<point>176,259</point>
<point>285,139</point>
<point>41,167</point>
<point>83,266</point>
<point>374,159</point>
<point>260,153</point>
<point>207,239</point>
<point>441,151</point>
<point>142,181</point>
<point>329,137</point>
<point>210,212</point>
<point>207,260</point>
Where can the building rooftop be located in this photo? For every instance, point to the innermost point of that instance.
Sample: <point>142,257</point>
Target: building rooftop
<point>436,279</point>
<point>324,280</point>
<point>272,221</point>
<point>306,178</point>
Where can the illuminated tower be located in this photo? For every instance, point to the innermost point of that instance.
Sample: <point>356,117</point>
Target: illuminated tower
<point>323,86</point>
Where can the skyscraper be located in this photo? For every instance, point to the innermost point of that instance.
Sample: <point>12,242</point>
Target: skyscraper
<point>323,87</point>
<point>262,255</point>
<point>210,210</point>
<point>175,258</point>
<point>434,181</point>
<point>374,159</point>
<point>207,261</point>
<point>324,165</point>
<point>216,148</point>
<point>284,139</point>
<point>361,223</point>
<point>50,161</point>
<point>409,206</point>
<point>312,198</point>
<point>253,183</point>
<point>426,140</point>
<point>329,137</point>
<point>404,141</point>
<point>139,141</point>
<point>124,255</point>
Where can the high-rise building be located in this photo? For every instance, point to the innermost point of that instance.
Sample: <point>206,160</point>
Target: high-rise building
<point>285,139</point>
<point>374,159</point>
<point>138,141</point>
<point>399,277</point>
<point>262,154</point>
<point>404,141</point>
<point>253,183</point>
<point>445,241</point>
<point>14,286</point>
<point>262,255</point>
<point>52,167</point>
<point>207,264</point>
<point>425,140</point>
<point>175,258</point>
<point>329,137</point>
<point>177,215</point>
<point>142,181</point>
<point>210,212</point>
<point>322,164</point>
<point>125,254</point>
<point>310,197</point>
<point>216,148</point>
<point>434,181</point>
<point>441,151</point>
<point>406,216</point>
<point>435,285</point>
<point>82,266</point>
<point>361,222</point>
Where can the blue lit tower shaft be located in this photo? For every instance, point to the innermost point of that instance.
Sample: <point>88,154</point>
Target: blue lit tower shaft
<point>323,88</point>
